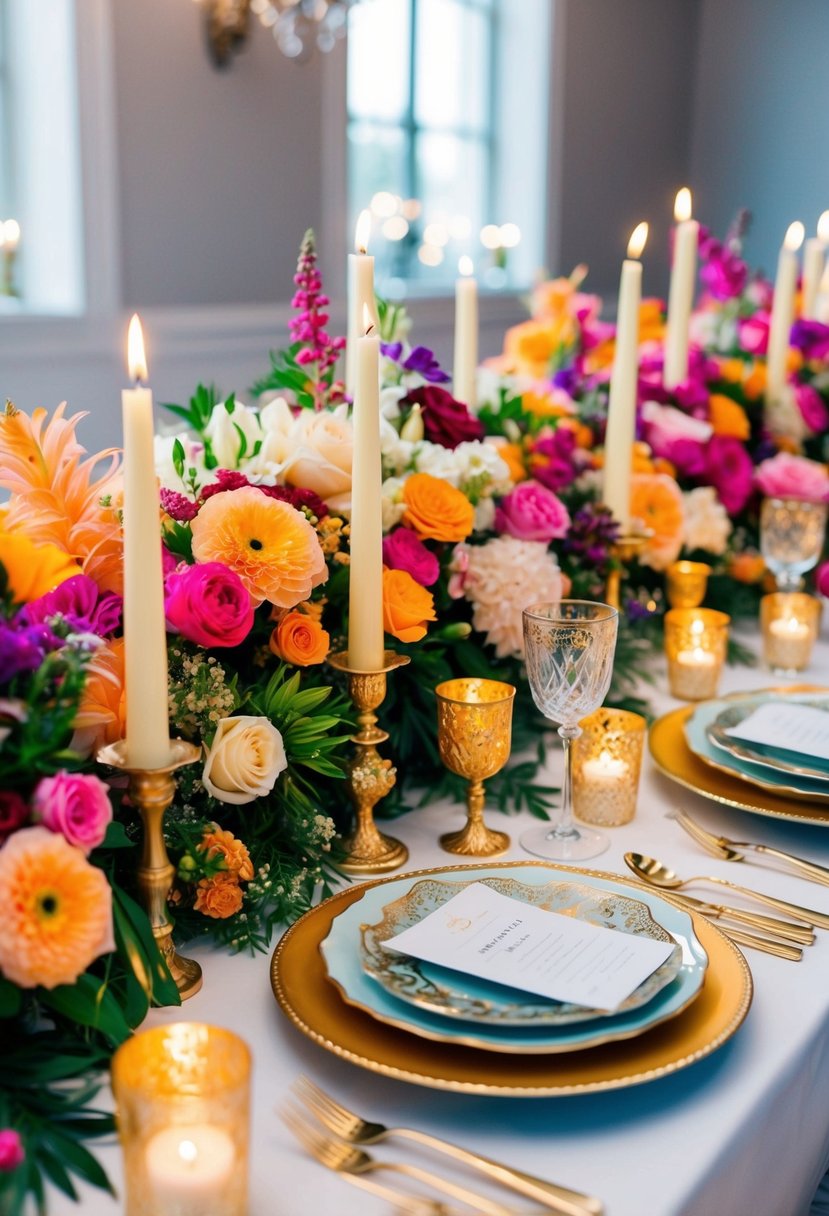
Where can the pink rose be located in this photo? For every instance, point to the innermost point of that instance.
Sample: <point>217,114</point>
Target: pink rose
<point>75,806</point>
<point>209,605</point>
<point>404,550</point>
<point>728,469</point>
<point>532,512</point>
<point>786,476</point>
<point>753,333</point>
<point>822,579</point>
<point>11,1150</point>
<point>812,408</point>
<point>676,436</point>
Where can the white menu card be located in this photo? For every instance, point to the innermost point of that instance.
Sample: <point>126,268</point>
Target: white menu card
<point>788,727</point>
<point>483,933</point>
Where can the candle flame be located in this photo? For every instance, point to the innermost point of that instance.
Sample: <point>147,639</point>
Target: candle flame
<point>136,359</point>
<point>11,235</point>
<point>682,205</point>
<point>637,240</point>
<point>188,1151</point>
<point>362,231</point>
<point>368,320</point>
<point>465,266</point>
<point>794,236</point>
<point>823,227</point>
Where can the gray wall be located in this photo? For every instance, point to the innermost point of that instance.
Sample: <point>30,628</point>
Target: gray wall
<point>761,117</point>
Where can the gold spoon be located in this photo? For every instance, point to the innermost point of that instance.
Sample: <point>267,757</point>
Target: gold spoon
<point>659,875</point>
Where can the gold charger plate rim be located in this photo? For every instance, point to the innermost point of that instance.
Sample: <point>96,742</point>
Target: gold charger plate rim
<point>445,1065</point>
<point>675,760</point>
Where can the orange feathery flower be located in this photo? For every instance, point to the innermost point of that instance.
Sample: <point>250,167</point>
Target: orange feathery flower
<point>436,510</point>
<point>56,498</point>
<point>300,640</point>
<point>216,841</point>
<point>219,897</point>
<point>727,417</point>
<point>102,714</point>
<point>32,569</point>
<point>656,501</point>
<point>406,606</point>
<point>57,910</point>
<point>269,544</point>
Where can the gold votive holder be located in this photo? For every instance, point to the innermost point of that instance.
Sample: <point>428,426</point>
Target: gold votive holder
<point>687,583</point>
<point>607,760</point>
<point>789,621</point>
<point>474,740</point>
<point>182,1097</point>
<point>696,640</point>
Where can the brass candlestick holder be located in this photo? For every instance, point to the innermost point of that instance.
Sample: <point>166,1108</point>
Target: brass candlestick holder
<point>623,551</point>
<point>152,792</point>
<point>367,850</point>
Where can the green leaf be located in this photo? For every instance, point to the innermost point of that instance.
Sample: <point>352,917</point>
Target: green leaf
<point>11,998</point>
<point>54,1170</point>
<point>116,837</point>
<point>135,937</point>
<point>89,1002</point>
<point>178,457</point>
<point>78,1158</point>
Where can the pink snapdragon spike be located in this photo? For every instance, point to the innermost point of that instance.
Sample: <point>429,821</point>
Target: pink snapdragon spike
<point>319,350</point>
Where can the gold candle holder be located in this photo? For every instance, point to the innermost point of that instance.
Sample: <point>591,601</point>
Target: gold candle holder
<point>623,551</point>
<point>607,759</point>
<point>474,738</point>
<point>696,640</point>
<point>687,583</point>
<point>152,791</point>
<point>182,1095</point>
<point>366,849</point>
<point>789,622</point>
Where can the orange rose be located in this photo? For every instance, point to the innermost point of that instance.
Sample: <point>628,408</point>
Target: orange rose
<point>235,853</point>
<point>755,382</point>
<point>406,606</point>
<point>436,510</point>
<point>656,500</point>
<point>727,417</point>
<point>746,567</point>
<point>219,897</point>
<point>300,640</point>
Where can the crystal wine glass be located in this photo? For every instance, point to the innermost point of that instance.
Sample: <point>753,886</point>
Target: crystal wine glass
<point>569,648</point>
<point>791,538</point>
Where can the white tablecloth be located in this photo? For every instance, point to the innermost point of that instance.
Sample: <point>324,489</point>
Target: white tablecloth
<point>744,1132</point>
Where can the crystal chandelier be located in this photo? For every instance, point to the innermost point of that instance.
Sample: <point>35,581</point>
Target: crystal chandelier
<point>297,25</point>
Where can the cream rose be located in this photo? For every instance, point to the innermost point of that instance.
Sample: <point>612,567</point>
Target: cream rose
<point>320,460</point>
<point>245,759</point>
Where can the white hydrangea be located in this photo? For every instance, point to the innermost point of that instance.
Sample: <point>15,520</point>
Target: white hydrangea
<point>707,525</point>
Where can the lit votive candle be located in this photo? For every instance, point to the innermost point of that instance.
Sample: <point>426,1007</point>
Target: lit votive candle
<point>607,757</point>
<point>694,675</point>
<point>789,624</point>
<point>188,1168</point>
<point>695,644</point>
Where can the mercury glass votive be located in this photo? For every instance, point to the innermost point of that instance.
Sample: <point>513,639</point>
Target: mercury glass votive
<point>687,583</point>
<point>696,640</point>
<point>607,759</point>
<point>790,621</point>
<point>182,1095</point>
<point>791,538</point>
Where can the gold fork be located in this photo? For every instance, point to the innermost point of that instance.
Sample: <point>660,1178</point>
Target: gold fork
<point>347,1160</point>
<point>728,850</point>
<point>405,1203</point>
<point>352,1128</point>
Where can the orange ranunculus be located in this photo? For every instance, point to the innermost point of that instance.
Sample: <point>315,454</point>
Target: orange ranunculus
<point>512,455</point>
<point>552,404</point>
<point>727,417</point>
<point>33,569</point>
<point>219,897</point>
<point>102,712</point>
<point>661,465</point>
<point>436,510</point>
<point>552,297</point>
<point>529,347</point>
<point>746,567</point>
<point>732,370</point>
<point>299,639</point>
<point>651,321</point>
<point>236,856</point>
<point>642,458</point>
<point>406,606</point>
<point>754,385</point>
<point>656,501</point>
<point>794,360</point>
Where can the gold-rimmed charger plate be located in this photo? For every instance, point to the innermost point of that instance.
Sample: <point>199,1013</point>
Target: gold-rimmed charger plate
<point>315,1008</point>
<point>673,757</point>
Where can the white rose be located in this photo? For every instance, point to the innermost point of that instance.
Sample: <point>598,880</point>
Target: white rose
<point>321,456</point>
<point>230,433</point>
<point>245,759</point>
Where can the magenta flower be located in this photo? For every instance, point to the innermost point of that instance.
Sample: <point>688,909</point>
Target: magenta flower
<point>822,579</point>
<point>178,506</point>
<point>12,1153</point>
<point>753,333</point>
<point>77,601</point>
<point>74,805</point>
<point>787,476</point>
<point>554,459</point>
<point>404,550</point>
<point>319,352</point>
<point>811,337</point>
<point>532,512</point>
<point>812,407</point>
<point>729,470</point>
<point>208,604</point>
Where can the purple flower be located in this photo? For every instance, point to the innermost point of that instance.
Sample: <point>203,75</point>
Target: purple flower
<point>23,648</point>
<point>730,471</point>
<point>723,272</point>
<point>77,601</point>
<point>423,361</point>
<point>811,337</point>
<point>404,550</point>
<point>554,459</point>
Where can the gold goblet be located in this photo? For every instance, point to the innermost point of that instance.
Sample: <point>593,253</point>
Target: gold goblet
<point>474,737</point>
<point>687,583</point>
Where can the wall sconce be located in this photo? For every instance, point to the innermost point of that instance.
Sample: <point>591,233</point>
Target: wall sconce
<point>297,25</point>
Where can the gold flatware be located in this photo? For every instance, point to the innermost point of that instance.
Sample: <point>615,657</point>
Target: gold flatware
<point>348,1160</point>
<point>659,875</point>
<point>727,849</point>
<point>405,1204</point>
<point>741,936</point>
<point>804,935</point>
<point>352,1128</point>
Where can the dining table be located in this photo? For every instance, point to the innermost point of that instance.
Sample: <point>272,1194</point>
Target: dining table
<point>743,1131</point>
